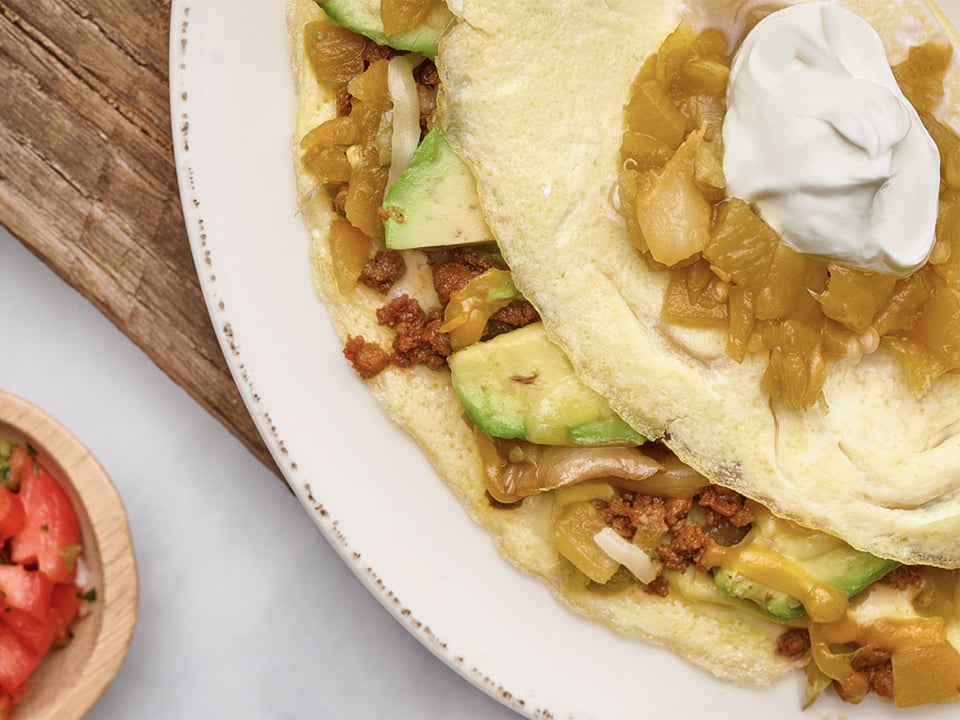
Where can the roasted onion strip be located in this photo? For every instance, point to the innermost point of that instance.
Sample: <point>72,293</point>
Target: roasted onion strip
<point>514,469</point>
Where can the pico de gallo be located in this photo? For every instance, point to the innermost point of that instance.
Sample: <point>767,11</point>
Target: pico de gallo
<point>40,549</point>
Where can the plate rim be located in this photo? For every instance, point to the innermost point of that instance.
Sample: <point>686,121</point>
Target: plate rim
<point>244,376</point>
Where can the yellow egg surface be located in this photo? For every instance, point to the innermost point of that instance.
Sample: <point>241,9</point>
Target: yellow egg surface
<point>536,108</point>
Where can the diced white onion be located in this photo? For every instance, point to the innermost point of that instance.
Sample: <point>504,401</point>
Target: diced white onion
<point>84,581</point>
<point>406,112</point>
<point>627,554</point>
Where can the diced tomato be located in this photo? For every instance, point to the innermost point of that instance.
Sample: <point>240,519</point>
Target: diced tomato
<point>17,661</point>
<point>12,517</point>
<point>39,547</point>
<point>19,459</point>
<point>50,538</point>
<point>38,634</point>
<point>65,603</point>
<point>27,590</point>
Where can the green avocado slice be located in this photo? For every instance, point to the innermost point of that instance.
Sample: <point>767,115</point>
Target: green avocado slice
<point>363,17</point>
<point>519,385</point>
<point>434,201</point>
<point>826,559</point>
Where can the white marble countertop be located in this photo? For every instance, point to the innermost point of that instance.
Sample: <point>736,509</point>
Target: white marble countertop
<point>245,610</point>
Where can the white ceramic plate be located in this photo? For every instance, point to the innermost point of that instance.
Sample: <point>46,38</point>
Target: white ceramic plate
<point>365,482</point>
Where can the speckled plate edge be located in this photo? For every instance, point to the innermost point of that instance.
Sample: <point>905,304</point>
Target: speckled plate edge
<point>232,105</point>
<point>188,73</point>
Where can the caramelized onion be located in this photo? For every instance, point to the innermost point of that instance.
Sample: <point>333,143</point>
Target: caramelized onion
<point>349,250</point>
<point>516,469</point>
<point>926,675</point>
<point>334,53</point>
<point>400,16</point>
<point>469,309</point>
<point>573,536</point>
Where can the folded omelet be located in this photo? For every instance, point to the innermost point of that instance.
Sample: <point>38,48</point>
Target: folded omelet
<point>533,102</point>
<point>731,644</point>
<point>872,461</point>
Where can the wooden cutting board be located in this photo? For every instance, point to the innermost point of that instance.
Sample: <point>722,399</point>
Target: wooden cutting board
<point>88,184</point>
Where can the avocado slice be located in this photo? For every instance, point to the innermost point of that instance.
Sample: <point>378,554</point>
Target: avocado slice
<point>434,201</point>
<point>826,559</point>
<point>363,17</point>
<point>519,385</point>
<point>699,588</point>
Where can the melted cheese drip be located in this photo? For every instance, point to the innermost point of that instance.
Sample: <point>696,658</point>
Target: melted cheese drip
<point>884,619</point>
<point>822,601</point>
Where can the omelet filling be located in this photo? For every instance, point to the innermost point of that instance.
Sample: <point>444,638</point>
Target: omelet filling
<point>654,525</point>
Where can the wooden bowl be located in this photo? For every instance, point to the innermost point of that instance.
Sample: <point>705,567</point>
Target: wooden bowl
<point>71,679</point>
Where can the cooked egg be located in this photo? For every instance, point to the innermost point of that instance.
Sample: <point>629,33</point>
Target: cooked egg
<point>871,462</point>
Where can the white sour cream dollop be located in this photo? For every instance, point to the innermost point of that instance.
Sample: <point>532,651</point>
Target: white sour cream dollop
<point>819,137</point>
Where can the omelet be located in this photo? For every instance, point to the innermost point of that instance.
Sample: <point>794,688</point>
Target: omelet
<point>872,461</point>
<point>533,104</point>
<point>724,640</point>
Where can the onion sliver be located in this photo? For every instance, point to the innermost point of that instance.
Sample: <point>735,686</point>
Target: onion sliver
<point>565,466</point>
<point>558,467</point>
<point>406,112</point>
<point>627,554</point>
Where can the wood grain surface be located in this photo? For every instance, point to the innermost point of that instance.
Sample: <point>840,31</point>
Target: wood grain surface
<point>88,183</point>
